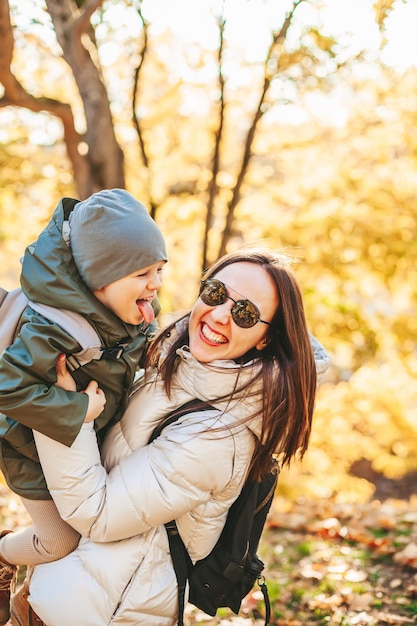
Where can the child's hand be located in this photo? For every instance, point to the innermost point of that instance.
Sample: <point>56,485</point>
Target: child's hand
<point>96,401</point>
<point>63,376</point>
<point>96,397</point>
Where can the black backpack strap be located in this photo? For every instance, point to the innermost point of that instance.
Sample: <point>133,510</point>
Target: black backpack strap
<point>180,557</point>
<point>264,589</point>
<point>182,565</point>
<point>173,416</point>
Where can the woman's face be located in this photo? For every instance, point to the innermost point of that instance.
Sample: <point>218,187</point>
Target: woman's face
<point>213,333</point>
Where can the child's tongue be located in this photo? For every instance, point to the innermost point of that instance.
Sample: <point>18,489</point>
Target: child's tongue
<point>146,309</point>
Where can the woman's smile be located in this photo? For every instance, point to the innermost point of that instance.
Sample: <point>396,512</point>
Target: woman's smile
<point>211,335</point>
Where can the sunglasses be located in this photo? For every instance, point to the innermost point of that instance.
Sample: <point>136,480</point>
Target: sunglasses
<point>244,313</point>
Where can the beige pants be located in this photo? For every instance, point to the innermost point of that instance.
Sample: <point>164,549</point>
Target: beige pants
<point>48,539</point>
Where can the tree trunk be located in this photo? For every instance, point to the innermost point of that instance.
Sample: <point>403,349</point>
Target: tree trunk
<point>76,38</point>
<point>16,95</point>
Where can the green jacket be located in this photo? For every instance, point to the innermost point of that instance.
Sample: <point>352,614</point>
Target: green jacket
<point>28,397</point>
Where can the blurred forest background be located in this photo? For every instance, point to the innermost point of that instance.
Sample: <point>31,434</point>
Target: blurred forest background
<point>289,124</point>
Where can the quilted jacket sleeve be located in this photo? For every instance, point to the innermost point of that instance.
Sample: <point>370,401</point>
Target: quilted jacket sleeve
<point>154,484</point>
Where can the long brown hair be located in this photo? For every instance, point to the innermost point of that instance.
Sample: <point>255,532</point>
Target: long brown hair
<point>288,391</point>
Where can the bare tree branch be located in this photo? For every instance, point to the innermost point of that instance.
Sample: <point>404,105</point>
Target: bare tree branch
<point>277,40</point>
<point>136,122</point>
<point>82,24</point>
<point>212,189</point>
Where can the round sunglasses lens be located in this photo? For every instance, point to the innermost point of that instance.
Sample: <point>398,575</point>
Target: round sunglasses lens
<point>213,292</point>
<point>245,314</point>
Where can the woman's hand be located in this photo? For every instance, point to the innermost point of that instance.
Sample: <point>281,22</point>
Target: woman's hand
<point>96,397</point>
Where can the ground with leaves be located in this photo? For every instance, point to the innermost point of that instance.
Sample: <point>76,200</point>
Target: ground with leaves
<point>328,563</point>
<point>334,563</point>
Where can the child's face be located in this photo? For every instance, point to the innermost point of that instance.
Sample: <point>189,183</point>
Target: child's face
<point>130,297</point>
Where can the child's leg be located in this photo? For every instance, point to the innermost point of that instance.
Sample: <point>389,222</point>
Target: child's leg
<point>48,539</point>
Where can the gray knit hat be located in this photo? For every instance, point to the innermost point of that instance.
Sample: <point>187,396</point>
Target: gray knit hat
<point>111,236</point>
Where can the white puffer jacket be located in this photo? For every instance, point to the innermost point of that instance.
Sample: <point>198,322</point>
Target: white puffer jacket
<point>122,572</point>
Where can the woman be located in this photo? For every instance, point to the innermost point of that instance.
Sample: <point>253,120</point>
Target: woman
<point>246,350</point>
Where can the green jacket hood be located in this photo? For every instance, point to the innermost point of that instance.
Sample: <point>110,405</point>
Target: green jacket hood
<point>49,276</point>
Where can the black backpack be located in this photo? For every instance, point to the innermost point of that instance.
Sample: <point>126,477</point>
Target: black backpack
<point>229,572</point>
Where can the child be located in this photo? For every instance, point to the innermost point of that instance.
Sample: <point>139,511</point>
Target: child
<point>102,257</point>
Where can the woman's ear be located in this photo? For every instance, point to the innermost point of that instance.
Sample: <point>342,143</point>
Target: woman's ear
<point>261,345</point>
